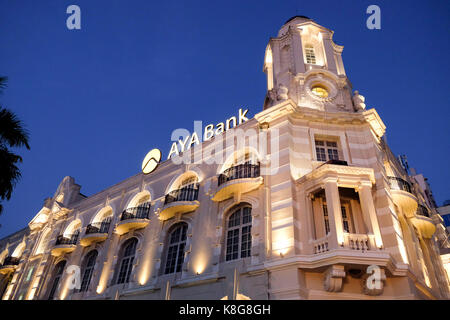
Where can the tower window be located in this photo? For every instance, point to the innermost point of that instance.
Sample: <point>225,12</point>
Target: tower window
<point>326,150</point>
<point>310,55</point>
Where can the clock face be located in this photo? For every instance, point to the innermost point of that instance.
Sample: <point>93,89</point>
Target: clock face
<point>319,91</point>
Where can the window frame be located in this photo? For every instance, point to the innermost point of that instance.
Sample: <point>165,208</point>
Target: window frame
<point>176,249</point>
<point>58,271</point>
<point>310,54</point>
<point>326,145</point>
<point>124,271</point>
<point>347,221</point>
<point>241,233</point>
<point>88,270</point>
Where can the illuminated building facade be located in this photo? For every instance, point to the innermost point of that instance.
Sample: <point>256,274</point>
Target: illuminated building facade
<point>335,204</point>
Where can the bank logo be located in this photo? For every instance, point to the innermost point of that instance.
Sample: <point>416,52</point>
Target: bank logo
<point>151,161</point>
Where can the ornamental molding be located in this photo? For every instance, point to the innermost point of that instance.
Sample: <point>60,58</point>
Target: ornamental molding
<point>344,175</point>
<point>324,81</point>
<point>378,127</point>
<point>277,111</point>
<point>333,278</point>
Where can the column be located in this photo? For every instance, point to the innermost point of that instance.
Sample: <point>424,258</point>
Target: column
<point>110,250</point>
<point>334,213</point>
<point>369,212</point>
<point>329,52</point>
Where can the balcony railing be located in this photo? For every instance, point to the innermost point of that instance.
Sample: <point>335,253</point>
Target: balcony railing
<point>187,193</point>
<point>70,240</point>
<point>399,184</point>
<point>11,261</point>
<point>423,211</point>
<point>98,227</point>
<point>140,212</point>
<point>240,171</point>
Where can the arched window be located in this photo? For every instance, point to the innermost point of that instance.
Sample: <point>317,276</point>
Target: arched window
<point>188,181</point>
<point>309,54</point>
<point>126,262</point>
<point>57,274</point>
<point>175,250</point>
<point>239,229</point>
<point>88,269</point>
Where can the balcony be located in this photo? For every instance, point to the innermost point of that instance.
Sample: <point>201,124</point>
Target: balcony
<point>9,265</point>
<point>352,241</point>
<point>95,232</point>
<point>423,222</point>
<point>359,242</point>
<point>64,244</point>
<point>402,195</point>
<point>180,201</point>
<point>239,179</point>
<point>133,218</point>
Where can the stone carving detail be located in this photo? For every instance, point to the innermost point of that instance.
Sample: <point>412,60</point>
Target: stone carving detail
<point>282,93</point>
<point>275,95</point>
<point>333,278</point>
<point>375,288</point>
<point>358,102</point>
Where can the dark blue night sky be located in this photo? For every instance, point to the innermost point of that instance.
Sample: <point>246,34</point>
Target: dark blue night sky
<point>97,99</point>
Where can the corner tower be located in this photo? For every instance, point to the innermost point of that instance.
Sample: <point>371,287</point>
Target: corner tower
<point>304,64</point>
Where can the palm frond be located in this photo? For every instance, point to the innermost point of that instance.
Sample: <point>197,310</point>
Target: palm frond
<point>12,131</point>
<point>3,81</point>
<point>9,172</point>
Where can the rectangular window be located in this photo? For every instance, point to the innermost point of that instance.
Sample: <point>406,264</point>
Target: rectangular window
<point>326,150</point>
<point>310,56</point>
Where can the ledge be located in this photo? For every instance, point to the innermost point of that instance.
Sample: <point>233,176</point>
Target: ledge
<point>347,176</point>
<point>125,226</point>
<point>425,225</point>
<point>7,269</point>
<point>171,209</point>
<point>237,186</point>
<point>340,256</point>
<point>62,248</point>
<point>407,201</point>
<point>90,238</point>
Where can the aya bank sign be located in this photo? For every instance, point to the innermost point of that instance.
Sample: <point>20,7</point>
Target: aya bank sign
<point>188,140</point>
<point>207,133</point>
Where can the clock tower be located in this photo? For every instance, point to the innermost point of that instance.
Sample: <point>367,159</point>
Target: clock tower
<point>304,64</point>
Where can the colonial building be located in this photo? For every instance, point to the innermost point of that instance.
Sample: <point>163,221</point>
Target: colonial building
<point>326,212</point>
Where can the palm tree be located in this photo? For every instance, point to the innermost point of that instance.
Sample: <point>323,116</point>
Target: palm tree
<point>12,134</point>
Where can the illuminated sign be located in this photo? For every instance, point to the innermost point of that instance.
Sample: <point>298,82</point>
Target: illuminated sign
<point>209,132</point>
<point>151,161</point>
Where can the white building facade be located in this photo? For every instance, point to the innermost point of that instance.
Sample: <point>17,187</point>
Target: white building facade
<point>317,210</point>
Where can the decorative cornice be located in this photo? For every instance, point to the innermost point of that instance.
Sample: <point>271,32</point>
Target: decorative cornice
<point>277,111</point>
<point>375,122</point>
<point>339,172</point>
